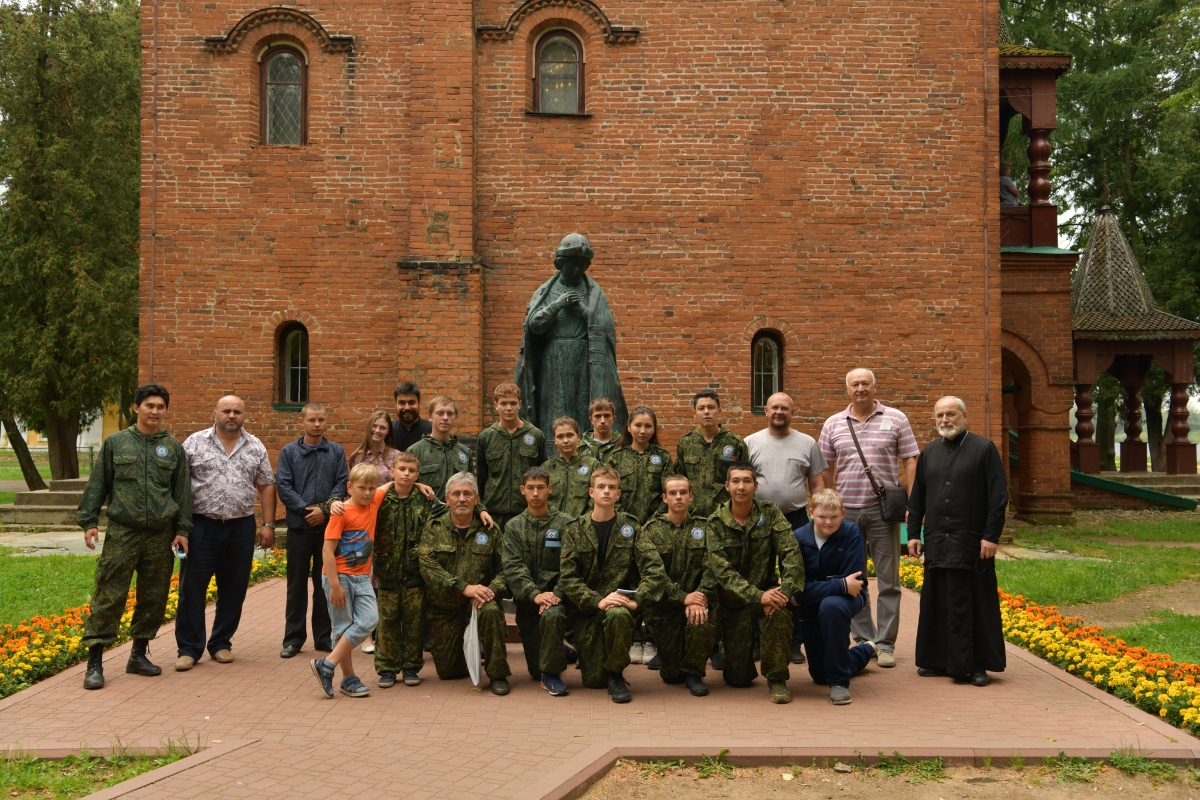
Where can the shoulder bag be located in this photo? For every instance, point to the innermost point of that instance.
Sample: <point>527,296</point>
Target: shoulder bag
<point>893,500</point>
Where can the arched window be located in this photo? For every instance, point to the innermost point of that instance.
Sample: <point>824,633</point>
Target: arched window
<point>293,364</point>
<point>284,97</point>
<point>558,83</point>
<point>766,369</point>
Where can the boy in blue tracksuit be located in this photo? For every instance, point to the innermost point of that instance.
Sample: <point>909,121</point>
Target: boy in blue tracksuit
<point>835,567</point>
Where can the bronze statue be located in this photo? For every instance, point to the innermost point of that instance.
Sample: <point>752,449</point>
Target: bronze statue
<point>569,350</point>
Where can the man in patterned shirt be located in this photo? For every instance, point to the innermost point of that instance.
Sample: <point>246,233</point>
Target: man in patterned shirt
<point>229,468</point>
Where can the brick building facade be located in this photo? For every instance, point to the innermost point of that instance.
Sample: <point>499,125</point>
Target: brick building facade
<point>824,174</point>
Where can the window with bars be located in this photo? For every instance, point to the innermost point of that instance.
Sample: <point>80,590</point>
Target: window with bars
<point>293,364</point>
<point>766,369</point>
<point>284,97</point>
<point>558,82</point>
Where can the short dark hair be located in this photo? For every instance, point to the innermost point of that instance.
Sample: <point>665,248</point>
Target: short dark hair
<point>744,466</point>
<point>407,387</point>
<point>151,390</point>
<point>711,394</point>
<point>535,474</point>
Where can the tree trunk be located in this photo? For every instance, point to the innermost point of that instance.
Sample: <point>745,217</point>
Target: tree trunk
<point>29,470</point>
<point>1156,442</point>
<point>1106,431</point>
<point>62,434</point>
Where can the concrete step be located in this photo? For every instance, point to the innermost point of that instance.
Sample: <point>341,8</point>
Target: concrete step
<point>17,530</point>
<point>48,497</point>
<point>1154,480</point>
<point>69,485</point>
<point>39,516</point>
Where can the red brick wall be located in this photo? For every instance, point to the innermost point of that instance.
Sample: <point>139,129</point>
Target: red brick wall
<point>1094,497</point>
<point>793,166</point>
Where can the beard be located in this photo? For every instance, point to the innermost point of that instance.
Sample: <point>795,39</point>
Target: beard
<point>951,431</point>
<point>778,422</point>
<point>409,417</point>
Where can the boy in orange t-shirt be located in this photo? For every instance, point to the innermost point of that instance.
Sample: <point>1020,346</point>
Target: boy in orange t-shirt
<point>349,541</point>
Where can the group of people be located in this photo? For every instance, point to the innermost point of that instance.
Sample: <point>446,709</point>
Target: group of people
<point>612,551</point>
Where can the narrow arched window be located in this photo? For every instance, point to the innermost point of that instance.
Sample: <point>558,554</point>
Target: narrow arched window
<point>284,101</point>
<point>766,369</point>
<point>558,82</point>
<point>293,364</point>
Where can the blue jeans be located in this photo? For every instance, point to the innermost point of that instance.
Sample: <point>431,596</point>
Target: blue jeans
<point>831,659</point>
<point>359,615</point>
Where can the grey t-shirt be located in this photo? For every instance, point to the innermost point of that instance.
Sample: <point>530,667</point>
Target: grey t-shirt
<point>784,467</point>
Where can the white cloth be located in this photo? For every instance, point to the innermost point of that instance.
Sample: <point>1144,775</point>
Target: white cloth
<point>784,466</point>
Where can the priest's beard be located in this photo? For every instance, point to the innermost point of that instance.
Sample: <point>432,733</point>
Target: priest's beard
<point>951,431</point>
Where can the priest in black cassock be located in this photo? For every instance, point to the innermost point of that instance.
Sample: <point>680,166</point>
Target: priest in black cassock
<point>959,497</point>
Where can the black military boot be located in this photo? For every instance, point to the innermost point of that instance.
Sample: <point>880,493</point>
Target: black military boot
<point>138,664</point>
<point>94,679</point>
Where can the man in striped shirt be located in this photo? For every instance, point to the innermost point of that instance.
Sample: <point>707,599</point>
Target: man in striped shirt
<point>886,438</point>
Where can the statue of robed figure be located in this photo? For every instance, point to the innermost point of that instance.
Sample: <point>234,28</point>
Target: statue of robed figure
<point>569,349</point>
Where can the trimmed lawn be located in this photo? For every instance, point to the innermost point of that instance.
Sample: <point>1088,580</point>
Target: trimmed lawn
<point>76,776</point>
<point>1177,635</point>
<point>1184,529</point>
<point>33,585</point>
<point>6,498</point>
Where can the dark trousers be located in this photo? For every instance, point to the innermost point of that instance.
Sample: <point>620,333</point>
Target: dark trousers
<point>223,549</point>
<point>304,566</point>
<point>797,519</point>
<point>831,659</point>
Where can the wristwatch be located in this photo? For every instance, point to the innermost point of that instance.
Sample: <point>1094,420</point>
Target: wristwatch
<point>270,525</point>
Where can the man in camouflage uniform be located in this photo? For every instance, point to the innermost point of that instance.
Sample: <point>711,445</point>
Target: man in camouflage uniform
<point>398,527</point>
<point>505,450</point>
<point>440,453</point>
<point>570,471</point>
<point>142,475</point>
<point>704,455</point>
<point>531,548</point>
<point>600,441</point>
<point>460,562</point>
<point>684,628</point>
<point>601,551</point>
<point>747,538</point>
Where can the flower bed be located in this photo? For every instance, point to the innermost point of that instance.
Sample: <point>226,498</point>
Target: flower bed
<point>1151,681</point>
<point>43,646</point>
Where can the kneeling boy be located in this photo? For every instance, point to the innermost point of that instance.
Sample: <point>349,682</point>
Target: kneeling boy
<point>835,565</point>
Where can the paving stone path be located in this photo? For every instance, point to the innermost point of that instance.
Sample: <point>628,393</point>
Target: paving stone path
<point>266,731</point>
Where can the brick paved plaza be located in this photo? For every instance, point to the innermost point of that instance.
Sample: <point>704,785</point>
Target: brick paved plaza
<point>266,731</point>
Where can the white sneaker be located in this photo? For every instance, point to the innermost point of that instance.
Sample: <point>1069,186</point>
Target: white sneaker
<point>635,653</point>
<point>649,651</point>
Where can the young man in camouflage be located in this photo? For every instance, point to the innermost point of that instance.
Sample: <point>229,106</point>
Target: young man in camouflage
<point>599,441</point>
<point>507,448</point>
<point>601,551</point>
<point>460,563</point>
<point>440,453</point>
<point>704,455</point>
<point>532,546</point>
<point>684,628</point>
<point>747,538</point>
<point>400,521</point>
<point>570,471</point>
<point>142,476</point>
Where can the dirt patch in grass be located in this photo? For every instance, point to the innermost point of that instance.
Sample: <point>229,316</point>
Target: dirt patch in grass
<point>1181,598</point>
<point>632,780</point>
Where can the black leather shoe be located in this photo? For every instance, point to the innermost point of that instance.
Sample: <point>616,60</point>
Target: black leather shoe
<point>717,662</point>
<point>500,687</point>
<point>655,663</point>
<point>931,673</point>
<point>618,690</point>
<point>695,685</point>
<point>796,656</point>
<point>980,678</point>
<point>289,650</point>
<point>94,679</point>
<point>138,663</point>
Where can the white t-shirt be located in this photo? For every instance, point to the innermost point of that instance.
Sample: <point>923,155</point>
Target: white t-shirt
<point>784,466</point>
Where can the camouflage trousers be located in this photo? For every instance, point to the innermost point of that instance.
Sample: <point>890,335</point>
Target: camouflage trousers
<point>542,638</point>
<point>446,629</point>
<point>401,630</point>
<point>603,640</point>
<point>128,551</point>
<point>683,648</point>
<point>737,639</point>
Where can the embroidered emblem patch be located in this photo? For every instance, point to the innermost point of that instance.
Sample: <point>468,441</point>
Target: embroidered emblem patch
<point>552,534</point>
<point>462,456</point>
<point>528,438</point>
<point>727,452</point>
<point>762,518</point>
<point>656,460</point>
<point>481,538</point>
<point>627,531</point>
<point>161,450</point>
<point>697,533</point>
<point>583,469</point>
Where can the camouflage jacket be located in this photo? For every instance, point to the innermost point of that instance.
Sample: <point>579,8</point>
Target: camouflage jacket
<point>590,447</point>
<point>144,480</point>
<point>641,479</point>
<point>501,458</point>
<point>450,561</point>
<point>569,482</point>
<point>398,527</point>
<point>440,460</point>
<point>585,579</point>
<point>684,552</point>
<point>705,464</point>
<point>532,550</point>
<point>742,559</point>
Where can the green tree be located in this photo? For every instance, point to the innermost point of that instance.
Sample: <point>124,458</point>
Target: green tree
<point>70,77</point>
